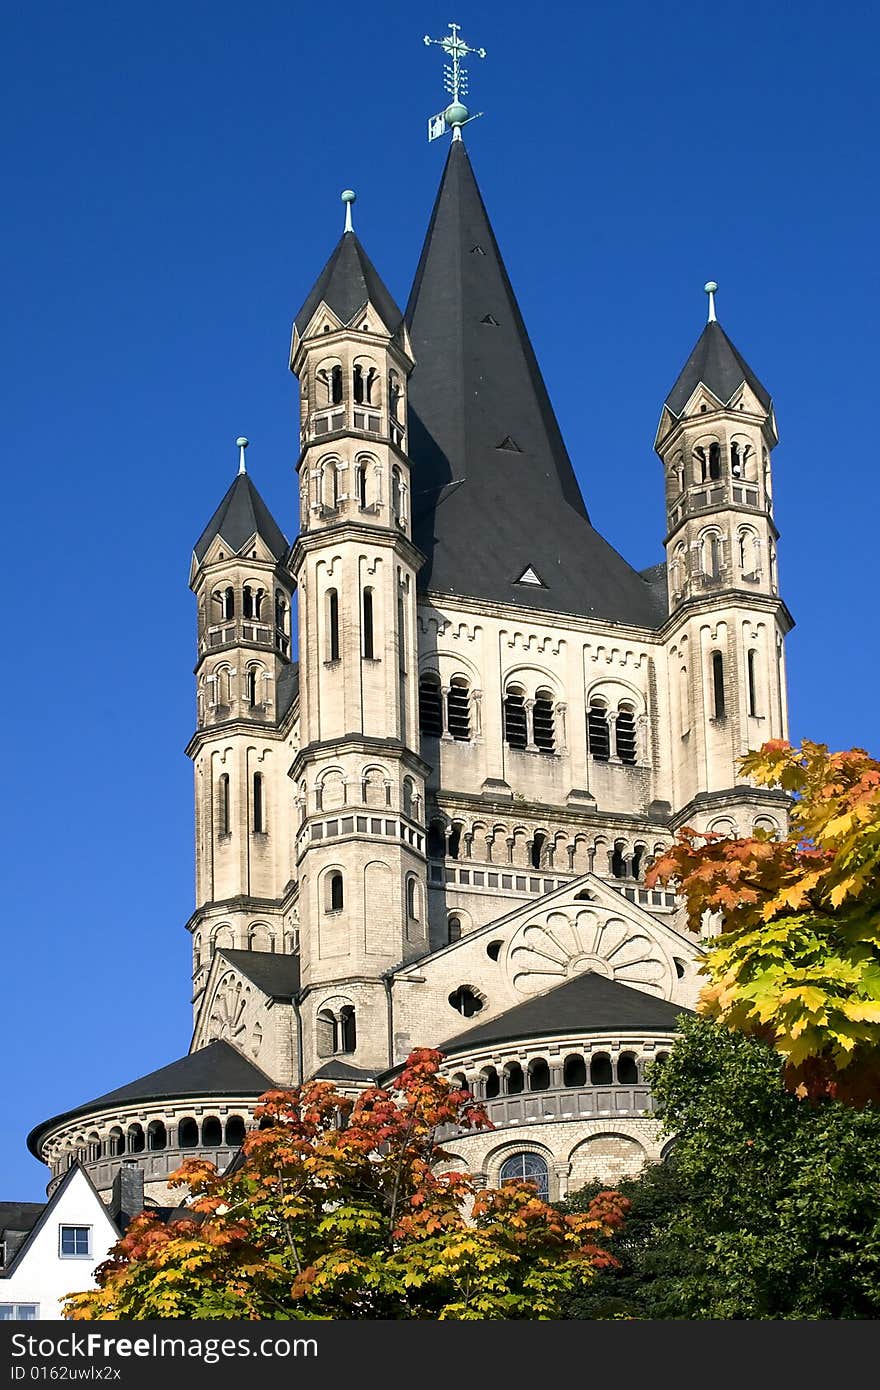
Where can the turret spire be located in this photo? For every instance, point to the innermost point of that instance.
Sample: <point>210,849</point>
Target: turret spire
<point>348,196</point>
<point>711,289</point>
<point>242,444</point>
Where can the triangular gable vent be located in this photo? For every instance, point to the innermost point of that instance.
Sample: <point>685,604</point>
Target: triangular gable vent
<point>529,576</point>
<point>477,251</point>
<point>509,444</point>
<point>489,319</point>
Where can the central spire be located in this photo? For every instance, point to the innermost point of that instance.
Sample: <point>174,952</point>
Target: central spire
<point>495,498</point>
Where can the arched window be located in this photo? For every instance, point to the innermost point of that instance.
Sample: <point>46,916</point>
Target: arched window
<point>737,459</point>
<point>539,1075</point>
<point>491,1083</point>
<point>598,733</point>
<point>360,483</point>
<point>223,821</point>
<point>638,860</point>
<point>116,1143</point>
<point>627,1070</point>
<point>528,1167</point>
<point>135,1139</point>
<point>453,843</point>
<point>330,485</point>
<point>600,1070</point>
<point>336,386</point>
<point>714,462</point>
<point>280,612</point>
<point>332,625</point>
<point>453,930</point>
<point>701,466</point>
<point>436,840</point>
<point>412,898</point>
<point>347,1031</point>
<point>358,383</point>
<point>188,1134</point>
<point>393,394</point>
<point>325,1033</point>
<point>538,845</point>
<point>396,494</point>
<point>368,624</point>
<point>751,661</point>
<point>252,686</point>
<point>212,1133</point>
<point>157,1136</point>
<point>574,1072</point>
<point>229,602</point>
<point>247,602</point>
<point>718,685</point>
<point>259,808</point>
<point>514,1081</point>
<point>235,1131</point>
<point>618,859</point>
<point>459,705</point>
<point>625,733</point>
<point>430,705</point>
<point>545,737</point>
<point>335,892</point>
<point>465,1001</point>
<point>711,554</point>
<point>93,1151</point>
<point>515,729</point>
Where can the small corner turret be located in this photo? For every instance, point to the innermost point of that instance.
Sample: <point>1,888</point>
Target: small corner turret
<point>716,433</point>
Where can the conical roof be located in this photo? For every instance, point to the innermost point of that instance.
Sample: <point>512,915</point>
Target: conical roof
<point>242,515</point>
<point>496,506</point>
<point>347,282</point>
<point>218,1069</point>
<point>719,366</point>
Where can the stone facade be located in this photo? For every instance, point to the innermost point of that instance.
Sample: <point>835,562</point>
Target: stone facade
<point>446,807</point>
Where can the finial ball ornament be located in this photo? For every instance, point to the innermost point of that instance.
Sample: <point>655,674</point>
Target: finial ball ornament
<point>710,287</point>
<point>455,114</point>
<point>348,195</point>
<point>241,442</point>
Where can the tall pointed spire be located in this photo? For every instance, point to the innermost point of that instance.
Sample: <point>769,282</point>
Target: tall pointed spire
<point>494,491</point>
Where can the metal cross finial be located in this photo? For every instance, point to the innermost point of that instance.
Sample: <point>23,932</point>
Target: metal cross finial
<point>242,445</point>
<point>455,80</point>
<point>711,289</point>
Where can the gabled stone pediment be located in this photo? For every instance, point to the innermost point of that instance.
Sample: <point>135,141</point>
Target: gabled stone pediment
<point>584,926</point>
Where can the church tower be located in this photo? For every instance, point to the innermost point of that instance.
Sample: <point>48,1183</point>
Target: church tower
<point>245,685</point>
<point>726,663</point>
<point>359,779</point>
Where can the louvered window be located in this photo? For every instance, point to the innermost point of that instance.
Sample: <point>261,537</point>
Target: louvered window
<point>515,719</point>
<point>545,737</point>
<point>459,705</point>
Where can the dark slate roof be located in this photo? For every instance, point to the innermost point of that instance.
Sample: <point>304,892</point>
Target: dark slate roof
<point>341,1071</point>
<point>276,975</point>
<point>588,1003</point>
<point>241,515</point>
<point>286,689</point>
<point>19,1216</point>
<point>716,363</point>
<point>216,1070</point>
<point>347,282</point>
<point>493,488</point>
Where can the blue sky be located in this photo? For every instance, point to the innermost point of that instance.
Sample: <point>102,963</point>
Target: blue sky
<point>172,190</point>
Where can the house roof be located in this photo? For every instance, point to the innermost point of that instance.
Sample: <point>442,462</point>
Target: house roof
<point>45,1210</point>
<point>276,975</point>
<point>341,1071</point>
<point>587,1003</point>
<point>494,494</point>
<point>216,1070</point>
<point>19,1216</point>
<point>347,283</point>
<point>242,515</point>
<point>718,365</point>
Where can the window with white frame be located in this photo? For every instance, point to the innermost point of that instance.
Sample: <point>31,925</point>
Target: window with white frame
<point>75,1242</point>
<point>19,1312</point>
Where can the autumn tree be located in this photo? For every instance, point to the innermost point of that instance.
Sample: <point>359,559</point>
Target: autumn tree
<point>767,1207</point>
<point>341,1208</point>
<point>798,960</point>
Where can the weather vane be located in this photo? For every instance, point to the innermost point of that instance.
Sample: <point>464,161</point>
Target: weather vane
<point>455,80</point>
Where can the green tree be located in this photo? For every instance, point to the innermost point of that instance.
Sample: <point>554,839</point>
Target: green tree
<point>768,1208</point>
<point>798,960</point>
<point>338,1210</point>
